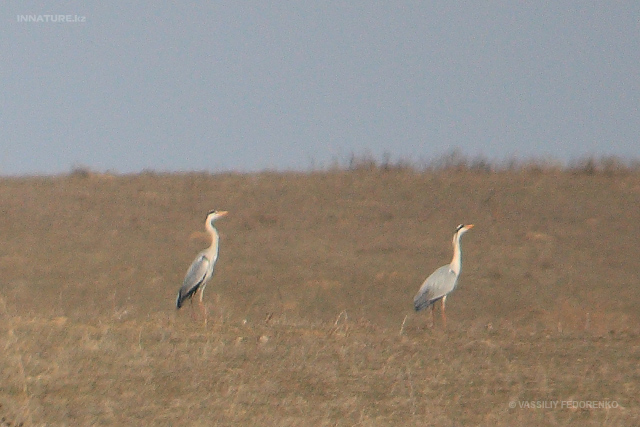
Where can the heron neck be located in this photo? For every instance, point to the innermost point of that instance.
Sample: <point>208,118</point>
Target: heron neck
<point>456,262</point>
<point>212,251</point>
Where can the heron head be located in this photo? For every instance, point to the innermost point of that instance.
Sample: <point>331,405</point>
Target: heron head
<point>463,228</point>
<point>215,214</point>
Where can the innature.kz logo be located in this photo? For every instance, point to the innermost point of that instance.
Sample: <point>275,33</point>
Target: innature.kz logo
<point>52,18</point>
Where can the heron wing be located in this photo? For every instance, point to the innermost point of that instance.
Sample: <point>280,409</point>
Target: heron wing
<point>438,284</point>
<point>194,278</point>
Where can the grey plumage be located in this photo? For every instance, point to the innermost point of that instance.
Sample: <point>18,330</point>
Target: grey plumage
<point>440,283</point>
<point>444,280</point>
<point>197,276</point>
<point>201,268</point>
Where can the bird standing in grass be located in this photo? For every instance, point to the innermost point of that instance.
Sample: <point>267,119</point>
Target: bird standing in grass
<point>443,280</point>
<point>201,269</point>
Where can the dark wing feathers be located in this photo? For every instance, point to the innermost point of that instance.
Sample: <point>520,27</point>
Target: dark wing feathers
<point>194,279</point>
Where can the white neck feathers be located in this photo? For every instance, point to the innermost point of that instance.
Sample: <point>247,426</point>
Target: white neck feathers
<point>212,251</point>
<point>456,262</point>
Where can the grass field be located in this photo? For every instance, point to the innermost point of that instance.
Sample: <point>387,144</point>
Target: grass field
<point>310,307</point>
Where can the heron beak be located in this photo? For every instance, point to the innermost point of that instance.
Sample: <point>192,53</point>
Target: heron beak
<point>222,213</point>
<point>468,226</point>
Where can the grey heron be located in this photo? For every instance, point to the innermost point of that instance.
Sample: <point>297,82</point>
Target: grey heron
<point>201,268</point>
<point>442,281</point>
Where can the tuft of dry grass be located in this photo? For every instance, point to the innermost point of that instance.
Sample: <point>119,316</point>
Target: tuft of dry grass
<point>310,305</point>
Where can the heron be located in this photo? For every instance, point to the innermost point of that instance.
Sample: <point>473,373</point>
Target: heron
<point>201,268</point>
<point>442,281</point>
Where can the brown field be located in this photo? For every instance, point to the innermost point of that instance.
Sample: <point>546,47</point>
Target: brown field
<point>311,319</point>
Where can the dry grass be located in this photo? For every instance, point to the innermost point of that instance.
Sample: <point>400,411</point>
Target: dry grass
<point>310,306</point>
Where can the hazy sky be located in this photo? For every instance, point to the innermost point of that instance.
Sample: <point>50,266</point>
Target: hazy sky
<point>253,85</point>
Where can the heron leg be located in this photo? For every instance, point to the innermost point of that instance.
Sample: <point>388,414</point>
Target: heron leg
<point>193,313</point>
<point>444,316</point>
<point>432,309</point>
<point>203,308</point>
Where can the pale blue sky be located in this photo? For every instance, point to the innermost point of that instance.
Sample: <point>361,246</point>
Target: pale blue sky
<point>246,86</point>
